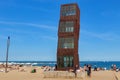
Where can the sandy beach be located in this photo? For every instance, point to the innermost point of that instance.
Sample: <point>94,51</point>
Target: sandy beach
<point>39,75</point>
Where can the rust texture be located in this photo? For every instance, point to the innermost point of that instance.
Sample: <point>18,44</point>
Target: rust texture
<point>75,34</point>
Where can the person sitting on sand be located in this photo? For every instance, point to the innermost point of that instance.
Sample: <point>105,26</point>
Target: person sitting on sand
<point>33,71</point>
<point>47,68</point>
<point>22,70</point>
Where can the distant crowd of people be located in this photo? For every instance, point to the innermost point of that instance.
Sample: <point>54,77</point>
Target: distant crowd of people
<point>114,68</point>
<point>87,68</point>
<point>98,68</point>
<point>48,68</point>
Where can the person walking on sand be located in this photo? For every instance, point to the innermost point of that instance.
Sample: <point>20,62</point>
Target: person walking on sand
<point>89,70</point>
<point>75,70</point>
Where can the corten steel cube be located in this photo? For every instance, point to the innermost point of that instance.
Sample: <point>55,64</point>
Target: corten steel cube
<point>68,37</point>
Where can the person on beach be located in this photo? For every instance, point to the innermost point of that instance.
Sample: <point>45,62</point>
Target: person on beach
<point>75,70</point>
<point>55,66</point>
<point>95,68</point>
<point>85,67</point>
<point>114,67</point>
<point>33,71</point>
<point>89,70</point>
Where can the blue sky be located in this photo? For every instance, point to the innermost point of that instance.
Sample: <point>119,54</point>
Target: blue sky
<point>33,25</point>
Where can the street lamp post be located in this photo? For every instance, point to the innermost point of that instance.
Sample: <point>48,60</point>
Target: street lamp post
<point>8,44</point>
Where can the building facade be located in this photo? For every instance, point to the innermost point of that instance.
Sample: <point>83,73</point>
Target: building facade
<point>68,37</point>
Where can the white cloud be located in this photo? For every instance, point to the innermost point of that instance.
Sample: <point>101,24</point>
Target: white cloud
<point>13,31</point>
<point>29,24</point>
<point>103,36</point>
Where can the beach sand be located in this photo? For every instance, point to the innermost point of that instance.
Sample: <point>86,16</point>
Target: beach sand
<point>17,75</point>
